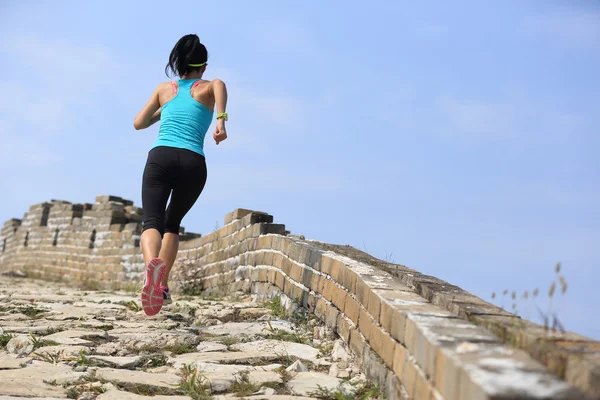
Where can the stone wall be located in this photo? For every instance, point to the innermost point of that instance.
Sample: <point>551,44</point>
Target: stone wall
<point>414,334</point>
<point>80,243</point>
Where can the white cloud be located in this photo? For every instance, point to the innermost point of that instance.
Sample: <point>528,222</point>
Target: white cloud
<point>277,109</point>
<point>39,99</point>
<point>27,108</point>
<point>259,107</point>
<point>287,36</point>
<point>23,151</point>
<point>580,29</point>
<point>61,62</point>
<point>478,119</point>
<point>519,118</point>
<point>429,30</point>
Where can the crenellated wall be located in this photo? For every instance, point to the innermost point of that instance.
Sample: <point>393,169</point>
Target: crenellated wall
<point>82,243</point>
<point>414,334</point>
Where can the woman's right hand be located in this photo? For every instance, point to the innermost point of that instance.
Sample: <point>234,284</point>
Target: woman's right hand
<point>220,133</point>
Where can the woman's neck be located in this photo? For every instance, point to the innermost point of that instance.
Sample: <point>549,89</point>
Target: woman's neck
<point>193,75</point>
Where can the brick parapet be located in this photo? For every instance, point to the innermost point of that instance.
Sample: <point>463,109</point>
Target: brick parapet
<point>414,334</point>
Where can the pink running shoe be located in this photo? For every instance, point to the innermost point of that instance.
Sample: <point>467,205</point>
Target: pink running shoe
<point>152,293</point>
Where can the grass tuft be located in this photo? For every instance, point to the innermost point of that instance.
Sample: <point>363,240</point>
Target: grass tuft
<point>193,385</point>
<point>243,387</point>
<point>277,309</point>
<point>4,339</point>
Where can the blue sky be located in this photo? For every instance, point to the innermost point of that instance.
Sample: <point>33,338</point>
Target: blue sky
<point>460,139</point>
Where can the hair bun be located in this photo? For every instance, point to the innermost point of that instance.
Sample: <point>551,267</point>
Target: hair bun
<point>188,49</point>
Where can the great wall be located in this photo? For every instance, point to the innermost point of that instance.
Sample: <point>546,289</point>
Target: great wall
<point>413,335</point>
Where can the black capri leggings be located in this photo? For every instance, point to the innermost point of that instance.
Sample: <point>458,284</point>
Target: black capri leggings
<point>179,173</point>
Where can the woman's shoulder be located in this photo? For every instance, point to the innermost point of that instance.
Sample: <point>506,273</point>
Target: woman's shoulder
<point>215,83</point>
<point>164,86</point>
<point>210,81</point>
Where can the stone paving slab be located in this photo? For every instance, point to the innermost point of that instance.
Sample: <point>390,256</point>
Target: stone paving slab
<point>61,343</point>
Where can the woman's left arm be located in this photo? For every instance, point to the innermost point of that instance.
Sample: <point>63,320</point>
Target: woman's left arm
<point>150,114</point>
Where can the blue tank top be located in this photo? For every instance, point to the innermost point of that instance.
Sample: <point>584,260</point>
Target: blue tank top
<point>183,120</point>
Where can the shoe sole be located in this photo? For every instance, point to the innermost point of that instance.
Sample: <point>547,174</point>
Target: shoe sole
<point>152,297</point>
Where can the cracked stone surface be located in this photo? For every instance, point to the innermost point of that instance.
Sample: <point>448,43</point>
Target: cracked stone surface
<point>58,342</point>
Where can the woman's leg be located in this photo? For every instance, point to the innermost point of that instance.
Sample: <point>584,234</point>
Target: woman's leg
<point>151,244</point>
<point>190,183</point>
<point>156,188</point>
<point>168,253</point>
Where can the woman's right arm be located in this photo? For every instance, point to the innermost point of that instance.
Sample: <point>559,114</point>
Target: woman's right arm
<point>150,113</point>
<point>219,93</point>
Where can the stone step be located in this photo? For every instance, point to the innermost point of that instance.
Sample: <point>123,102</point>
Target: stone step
<point>91,344</point>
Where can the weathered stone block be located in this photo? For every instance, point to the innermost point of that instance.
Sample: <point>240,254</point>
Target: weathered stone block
<point>332,318</point>
<point>338,297</point>
<point>256,218</point>
<point>423,388</point>
<point>583,370</point>
<point>357,343</point>
<point>264,242</point>
<point>374,305</point>
<point>376,339</point>
<point>263,275</point>
<point>394,389</point>
<point>321,309</point>
<point>268,258</point>
<point>362,292</point>
<point>296,272</point>
<point>294,251</point>
<point>315,259</point>
<point>304,257</point>
<point>365,323</point>
<point>409,376</point>
<point>307,276</point>
<point>336,270</point>
<point>326,263</point>
<point>489,372</point>
<point>280,280</point>
<point>344,326</point>
<point>327,292</point>
<point>286,265</point>
<point>240,213</point>
<point>374,367</point>
<point>297,294</point>
<point>276,243</point>
<point>109,198</point>
<point>398,327</point>
<point>278,261</point>
<point>352,309</point>
<point>288,288</point>
<point>311,302</point>
<point>349,279</point>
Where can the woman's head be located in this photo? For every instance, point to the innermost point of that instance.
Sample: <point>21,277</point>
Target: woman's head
<point>188,55</point>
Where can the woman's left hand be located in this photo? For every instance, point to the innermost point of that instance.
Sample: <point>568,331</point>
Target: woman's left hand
<point>220,133</point>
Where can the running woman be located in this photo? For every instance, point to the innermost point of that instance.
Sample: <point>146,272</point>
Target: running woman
<point>176,165</point>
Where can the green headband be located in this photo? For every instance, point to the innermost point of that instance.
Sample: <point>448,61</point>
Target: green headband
<point>196,65</point>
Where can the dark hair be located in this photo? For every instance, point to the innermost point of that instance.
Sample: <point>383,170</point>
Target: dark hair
<point>188,50</point>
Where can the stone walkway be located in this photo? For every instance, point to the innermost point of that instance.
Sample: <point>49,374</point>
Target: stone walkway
<point>57,342</point>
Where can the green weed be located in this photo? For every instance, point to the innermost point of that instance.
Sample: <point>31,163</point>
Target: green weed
<point>243,387</point>
<point>277,309</point>
<point>192,384</point>
<point>4,339</point>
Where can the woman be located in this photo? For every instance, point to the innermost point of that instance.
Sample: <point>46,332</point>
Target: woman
<point>176,165</point>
